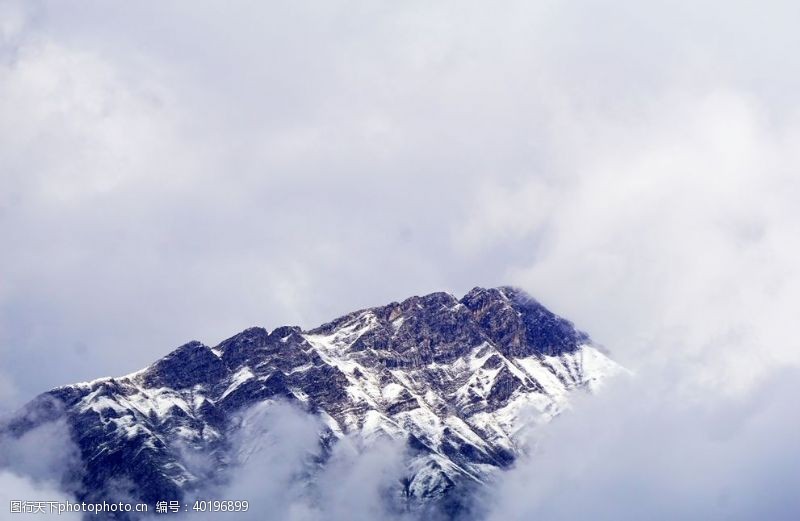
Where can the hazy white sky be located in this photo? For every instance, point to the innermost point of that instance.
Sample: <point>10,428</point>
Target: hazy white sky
<point>180,170</point>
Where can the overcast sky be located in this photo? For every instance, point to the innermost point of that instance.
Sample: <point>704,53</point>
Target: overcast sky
<point>182,170</point>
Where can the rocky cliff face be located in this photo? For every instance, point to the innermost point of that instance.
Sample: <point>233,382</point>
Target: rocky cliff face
<point>453,378</point>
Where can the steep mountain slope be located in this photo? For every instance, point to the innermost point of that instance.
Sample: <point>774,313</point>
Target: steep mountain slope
<point>456,379</point>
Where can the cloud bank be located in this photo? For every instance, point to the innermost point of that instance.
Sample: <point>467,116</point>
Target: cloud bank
<point>39,466</point>
<point>284,473</point>
<point>638,450</point>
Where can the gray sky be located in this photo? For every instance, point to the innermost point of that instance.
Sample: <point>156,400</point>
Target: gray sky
<point>178,170</point>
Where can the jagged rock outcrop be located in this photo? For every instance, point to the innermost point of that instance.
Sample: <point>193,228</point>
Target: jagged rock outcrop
<point>452,377</point>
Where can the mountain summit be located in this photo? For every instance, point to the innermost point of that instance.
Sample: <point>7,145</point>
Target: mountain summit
<point>453,379</point>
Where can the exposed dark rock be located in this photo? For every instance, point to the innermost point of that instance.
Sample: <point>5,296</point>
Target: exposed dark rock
<point>134,430</point>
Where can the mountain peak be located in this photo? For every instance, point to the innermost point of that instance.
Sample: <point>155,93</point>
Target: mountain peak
<point>454,378</point>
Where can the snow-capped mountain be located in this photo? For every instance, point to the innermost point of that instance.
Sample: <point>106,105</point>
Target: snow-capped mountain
<point>456,379</point>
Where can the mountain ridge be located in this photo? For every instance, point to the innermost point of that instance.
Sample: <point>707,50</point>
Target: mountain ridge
<point>450,377</point>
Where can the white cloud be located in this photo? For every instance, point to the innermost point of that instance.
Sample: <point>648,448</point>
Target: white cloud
<point>18,488</point>
<point>639,450</point>
<point>683,231</point>
<point>38,467</point>
<point>278,471</point>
